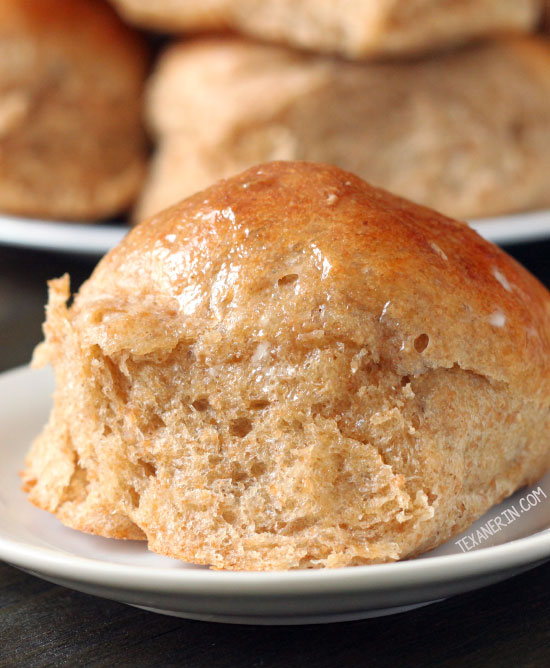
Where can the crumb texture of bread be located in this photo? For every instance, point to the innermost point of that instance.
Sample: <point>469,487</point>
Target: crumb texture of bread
<point>353,28</point>
<point>72,144</point>
<point>293,369</point>
<point>465,133</point>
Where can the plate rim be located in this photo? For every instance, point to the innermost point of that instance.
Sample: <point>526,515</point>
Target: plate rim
<point>375,577</point>
<point>409,574</point>
<point>85,238</point>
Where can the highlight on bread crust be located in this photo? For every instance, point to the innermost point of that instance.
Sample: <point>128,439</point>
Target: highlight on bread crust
<point>465,133</point>
<point>71,79</point>
<point>354,28</point>
<point>293,369</point>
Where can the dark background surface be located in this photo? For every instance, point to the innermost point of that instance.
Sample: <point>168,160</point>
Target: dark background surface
<point>41,624</point>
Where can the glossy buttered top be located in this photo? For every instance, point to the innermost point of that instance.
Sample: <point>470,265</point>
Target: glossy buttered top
<point>294,253</point>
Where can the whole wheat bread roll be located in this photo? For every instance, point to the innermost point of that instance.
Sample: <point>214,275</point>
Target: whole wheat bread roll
<point>354,28</point>
<point>466,133</point>
<point>292,369</point>
<point>71,79</point>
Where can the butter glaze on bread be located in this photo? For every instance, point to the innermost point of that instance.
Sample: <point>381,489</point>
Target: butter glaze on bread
<point>466,133</point>
<point>292,369</point>
<point>354,28</point>
<point>71,78</point>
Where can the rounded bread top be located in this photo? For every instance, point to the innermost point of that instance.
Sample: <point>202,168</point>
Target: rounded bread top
<point>307,255</point>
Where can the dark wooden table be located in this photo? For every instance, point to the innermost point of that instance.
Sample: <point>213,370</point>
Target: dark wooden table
<point>41,624</point>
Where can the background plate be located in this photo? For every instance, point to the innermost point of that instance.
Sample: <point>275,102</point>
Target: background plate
<point>97,238</point>
<point>125,571</point>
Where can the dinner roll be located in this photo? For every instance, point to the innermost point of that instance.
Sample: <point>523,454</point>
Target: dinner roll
<point>71,76</point>
<point>467,133</point>
<point>354,28</point>
<point>293,369</point>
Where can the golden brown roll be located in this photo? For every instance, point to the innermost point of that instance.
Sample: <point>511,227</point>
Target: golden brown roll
<point>71,76</point>
<point>292,369</point>
<point>466,133</point>
<point>354,28</point>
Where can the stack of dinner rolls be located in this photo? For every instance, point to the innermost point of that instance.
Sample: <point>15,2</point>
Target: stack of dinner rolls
<point>444,102</point>
<point>467,132</point>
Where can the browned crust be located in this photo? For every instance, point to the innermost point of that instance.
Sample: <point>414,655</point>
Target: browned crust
<point>366,222</point>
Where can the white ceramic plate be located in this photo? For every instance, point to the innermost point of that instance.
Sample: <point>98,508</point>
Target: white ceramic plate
<point>125,571</point>
<point>97,239</point>
<point>82,238</point>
